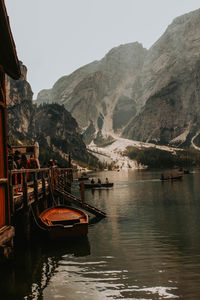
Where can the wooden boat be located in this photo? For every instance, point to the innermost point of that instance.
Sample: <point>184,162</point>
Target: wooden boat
<point>181,171</point>
<point>63,221</point>
<point>164,178</point>
<point>83,178</point>
<point>179,177</point>
<point>186,172</point>
<point>109,184</point>
<point>98,185</point>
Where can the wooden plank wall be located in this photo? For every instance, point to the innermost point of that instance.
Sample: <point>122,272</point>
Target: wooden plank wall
<point>4,203</point>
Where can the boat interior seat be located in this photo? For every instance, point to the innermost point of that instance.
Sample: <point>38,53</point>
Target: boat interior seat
<point>66,222</point>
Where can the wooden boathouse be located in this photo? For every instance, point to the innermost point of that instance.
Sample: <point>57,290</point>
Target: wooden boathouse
<point>8,65</point>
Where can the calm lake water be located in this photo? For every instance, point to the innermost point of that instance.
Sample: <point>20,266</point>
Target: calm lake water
<point>147,248</point>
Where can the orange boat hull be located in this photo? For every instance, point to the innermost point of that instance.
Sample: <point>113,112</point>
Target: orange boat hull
<point>64,222</point>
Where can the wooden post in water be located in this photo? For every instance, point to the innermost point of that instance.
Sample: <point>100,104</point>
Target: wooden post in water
<point>44,191</point>
<point>82,186</point>
<point>26,217</point>
<point>37,207</point>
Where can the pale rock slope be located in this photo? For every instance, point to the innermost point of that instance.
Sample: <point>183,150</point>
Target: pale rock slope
<point>114,153</point>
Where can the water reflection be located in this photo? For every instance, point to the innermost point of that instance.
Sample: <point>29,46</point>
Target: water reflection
<point>147,248</point>
<point>34,267</point>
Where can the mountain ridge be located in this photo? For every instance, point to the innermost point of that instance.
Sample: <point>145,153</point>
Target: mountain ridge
<point>122,93</point>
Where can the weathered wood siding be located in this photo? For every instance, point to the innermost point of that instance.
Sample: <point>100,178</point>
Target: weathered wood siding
<point>4,203</point>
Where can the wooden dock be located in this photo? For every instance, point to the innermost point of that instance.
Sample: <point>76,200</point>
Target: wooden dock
<point>48,187</point>
<point>48,184</point>
<point>78,202</point>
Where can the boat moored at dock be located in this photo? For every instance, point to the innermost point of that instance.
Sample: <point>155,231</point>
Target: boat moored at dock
<point>64,222</point>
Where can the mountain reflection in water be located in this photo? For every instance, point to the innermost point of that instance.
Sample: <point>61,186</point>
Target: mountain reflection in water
<point>147,247</point>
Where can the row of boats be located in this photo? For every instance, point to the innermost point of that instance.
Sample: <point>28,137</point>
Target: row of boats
<point>172,177</point>
<point>63,221</point>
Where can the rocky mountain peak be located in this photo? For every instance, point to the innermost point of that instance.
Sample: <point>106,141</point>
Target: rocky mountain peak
<point>95,92</point>
<point>170,86</point>
<point>148,95</point>
<point>20,90</point>
<point>123,57</point>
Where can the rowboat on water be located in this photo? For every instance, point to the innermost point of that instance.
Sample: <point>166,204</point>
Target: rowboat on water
<point>172,178</point>
<point>98,185</point>
<point>63,222</point>
<point>82,178</point>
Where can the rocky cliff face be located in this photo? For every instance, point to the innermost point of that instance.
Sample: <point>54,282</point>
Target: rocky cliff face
<point>19,103</point>
<point>145,95</point>
<point>101,94</point>
<point>57,131</point>
<point>171,86</point>
<point>50,125</point>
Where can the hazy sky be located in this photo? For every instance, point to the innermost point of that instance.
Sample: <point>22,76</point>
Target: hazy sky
<point>55,37</point>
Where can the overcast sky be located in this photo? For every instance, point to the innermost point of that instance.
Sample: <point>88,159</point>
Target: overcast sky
<point>55,37</point>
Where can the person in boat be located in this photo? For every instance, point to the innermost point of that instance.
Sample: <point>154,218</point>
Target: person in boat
<point>99,181</point>
<point>107,180</point>
<point>171,176</point>
<point>92,181</point>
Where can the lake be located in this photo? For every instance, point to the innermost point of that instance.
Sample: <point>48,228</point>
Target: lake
<point>147,248</point>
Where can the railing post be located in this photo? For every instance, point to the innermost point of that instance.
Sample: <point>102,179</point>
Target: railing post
<point>43,185</point>
<point>55,176</point>
<point>52,178</point>
<point>12,205</point>
<point>44,191</point>
<point>25,190</point>
<point>35,185</point>
<point>26,218</point>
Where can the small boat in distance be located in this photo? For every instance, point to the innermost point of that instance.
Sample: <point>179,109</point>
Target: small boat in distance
<point>184,171</point>
<point>172,178</point>
<point>83,178</point>
<point>98,185</point>
<point>64,222</point>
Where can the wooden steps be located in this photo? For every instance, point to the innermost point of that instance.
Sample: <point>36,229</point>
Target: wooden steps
<point>95,211</point>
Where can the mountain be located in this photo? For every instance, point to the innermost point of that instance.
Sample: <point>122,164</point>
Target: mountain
<point>51,125</point>
<point>171,87</point>
<point>146,95</point>
<point>100,95</point>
